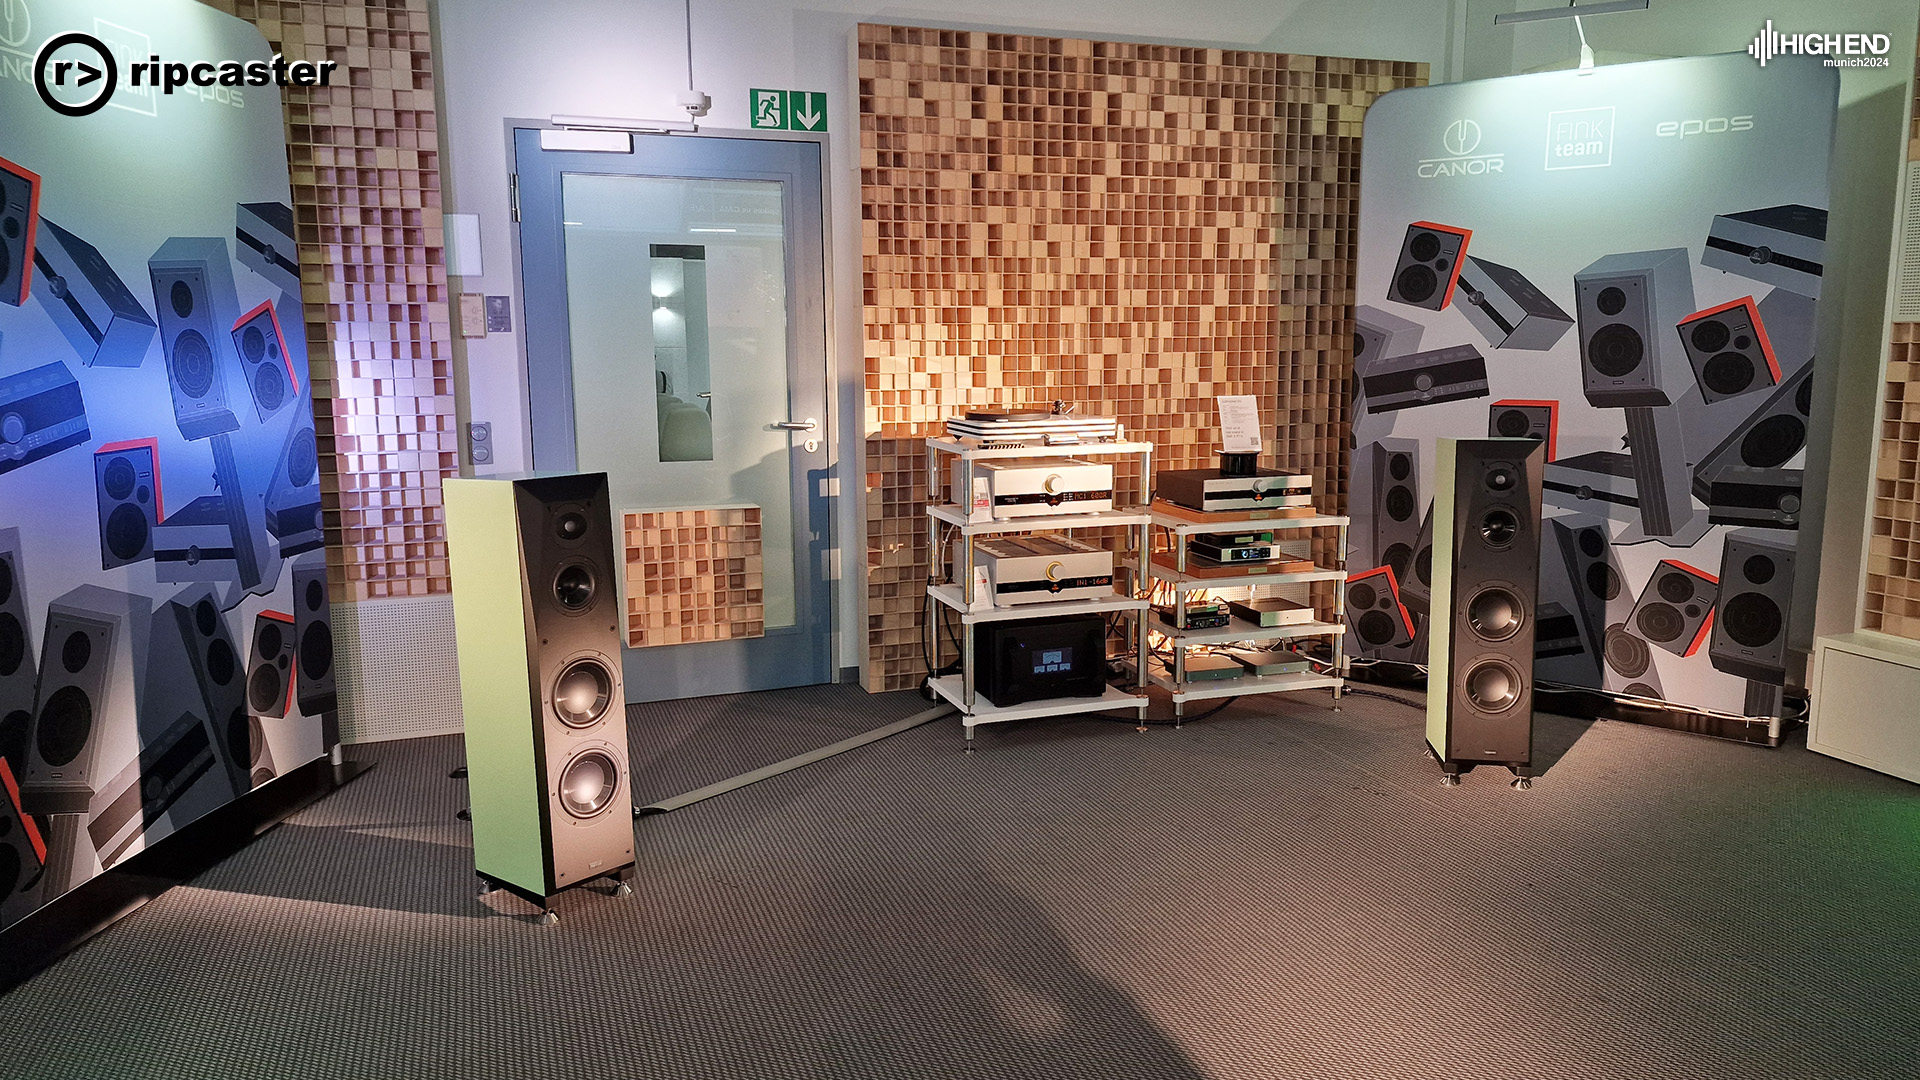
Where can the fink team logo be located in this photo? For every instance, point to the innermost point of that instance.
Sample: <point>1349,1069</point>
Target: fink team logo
<point>1841,50</point>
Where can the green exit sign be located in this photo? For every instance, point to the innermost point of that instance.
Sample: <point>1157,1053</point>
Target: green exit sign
<point>789,110</point>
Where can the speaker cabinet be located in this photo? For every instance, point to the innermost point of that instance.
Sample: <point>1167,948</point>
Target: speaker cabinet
<point>85,726</point>
<point>1516,419</point>
<point>263,238</point>
<point>1508,310</point>
<point>1755,600</point>
<point>270,666</point>
<point>19,221</point>
<point>1416,592</point>
<point>1429,265</point>
<point>536,619</point>
<point>1486,569</point>
<point>1376,619</point>
<point>293,510</point>
<point>1595,584</point>
<point>1388,526</point>
<point>152,788</point>
<point>194,299</point>
<point>126,481</point>
<point>1728,348</point>
<point>313,634</point>
<point>1380,334</point>
<point>1656,446</point>
<point>89,301</point>
<point>1770,437</point>
<point>41,413</point>
<point>1626,306</point>
<point>23,853</point>
<point>17,668</point>
<point>264,361</point>
<point>195,668</point>
<point>1675,610</point>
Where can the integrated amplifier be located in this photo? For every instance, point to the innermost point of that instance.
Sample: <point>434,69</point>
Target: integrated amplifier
<point>1240,553</point>
<point>1200,615</point>
<point>1208,667</point>
<point>1207,490</point>
<point>1040,568</point>
<point>1272,611</point>
<point>1233,539</point>
<point>1033,487</point>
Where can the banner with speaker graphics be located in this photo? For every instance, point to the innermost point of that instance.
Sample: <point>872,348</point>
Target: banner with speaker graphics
<point>1625,264</point>
<point>164,642</point>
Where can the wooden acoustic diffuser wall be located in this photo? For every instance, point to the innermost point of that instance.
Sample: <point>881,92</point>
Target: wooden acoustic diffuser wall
<point>1893,549</point>
<point>1133,228</point>
<point>365,158</point>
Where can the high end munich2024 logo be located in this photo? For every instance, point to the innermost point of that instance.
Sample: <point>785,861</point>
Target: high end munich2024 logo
<point>1841,50</point>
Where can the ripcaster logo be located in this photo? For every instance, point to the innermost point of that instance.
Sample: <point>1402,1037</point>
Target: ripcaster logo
<point>1460,140</point>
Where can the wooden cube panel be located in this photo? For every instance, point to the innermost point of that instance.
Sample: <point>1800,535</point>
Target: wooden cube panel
<point>365,161</point>
<point>693,575</point>
<point>1892,602</point>
<point>1133,228</point>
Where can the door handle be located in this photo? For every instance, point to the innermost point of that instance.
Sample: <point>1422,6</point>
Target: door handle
<point>809,424</point>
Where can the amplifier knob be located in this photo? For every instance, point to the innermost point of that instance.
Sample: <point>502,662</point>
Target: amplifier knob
<point>1052,486</point>
<point>1053,571</point>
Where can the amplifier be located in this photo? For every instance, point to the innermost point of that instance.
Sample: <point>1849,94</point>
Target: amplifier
<point>1757,498</point>
<point>196,543</point>
<point>1556,632</point>
<point>1035,659</point>
<point>1454,373</point>
<point>40,413</point>
<point>1601,482</point>
<point>1207,490</point>
<point>1233,539</point>
<point>1040,568</point>
<point>1272,611</point>
<point>1238,553</point>
<point>133,801</point>
<point>1201,615</point>
<point>1034,487</point>
<point>1208,667</point>
<point>1270,661</point>
<point>1780,245</point>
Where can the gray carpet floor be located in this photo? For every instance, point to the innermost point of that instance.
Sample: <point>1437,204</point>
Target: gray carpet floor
<point>1278,891</point>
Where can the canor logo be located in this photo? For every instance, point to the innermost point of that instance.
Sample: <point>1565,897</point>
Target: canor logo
<point>1841,50</point>
<point>16,25</point>
<point>1461,137</point>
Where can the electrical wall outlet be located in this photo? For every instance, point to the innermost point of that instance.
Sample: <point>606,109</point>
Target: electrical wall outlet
<point>480,443</point>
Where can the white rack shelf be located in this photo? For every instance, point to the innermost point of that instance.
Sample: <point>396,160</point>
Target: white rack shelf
<point>1244,685</point>
<point>1085,449</point>
<point>1108,519</point>
<point>1189,583</point>
<point>1186,527</point>
<point>983,711</point>
<point>956,598</point>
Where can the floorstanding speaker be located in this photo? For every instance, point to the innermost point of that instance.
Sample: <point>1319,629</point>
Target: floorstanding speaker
<point>17,669</point>
<point>23,853</point>
<point>536,620</point>
<point>1486,578</point>
<point>194,667</point>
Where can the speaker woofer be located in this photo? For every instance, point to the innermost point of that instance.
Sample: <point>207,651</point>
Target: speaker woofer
<point>574,588</point>
<point>588,783</point>
<point>1498,527</point>
<point>1753,620</point>
<point>1660,622</point>
<point>1616,349</point>
<point>1417,282</point>
<point>192,363</point>
<point>1495,614</point>
<point>583,693</point>
<point>1492,686</point>
<point>1375,627</point>
<point>1625,653</point>
<point>65,723</point>
<point>1728,373</point>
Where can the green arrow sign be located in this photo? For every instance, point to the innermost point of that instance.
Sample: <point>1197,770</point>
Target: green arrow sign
<point>788,110</point>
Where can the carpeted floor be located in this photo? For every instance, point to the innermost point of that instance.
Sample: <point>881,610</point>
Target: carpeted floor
<point>1278,891</point>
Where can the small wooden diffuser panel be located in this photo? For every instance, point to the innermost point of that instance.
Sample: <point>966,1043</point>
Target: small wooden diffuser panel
<point>365,159</point>
<point>693,575</point>
<point>1133,228</point>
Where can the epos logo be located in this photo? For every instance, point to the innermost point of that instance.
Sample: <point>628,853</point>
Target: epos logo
<point>1711,125</point>
<point>1459,140</point>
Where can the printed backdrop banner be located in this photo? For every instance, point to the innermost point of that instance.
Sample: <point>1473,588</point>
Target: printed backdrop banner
<point>1625,264</point>
<point>164,635</point>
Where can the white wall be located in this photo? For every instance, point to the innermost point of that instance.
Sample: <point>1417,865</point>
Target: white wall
<point>504,59</point>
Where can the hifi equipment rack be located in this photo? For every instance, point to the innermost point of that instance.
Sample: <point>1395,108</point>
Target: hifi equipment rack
<point>959,690</point>
<point>1171,569</point>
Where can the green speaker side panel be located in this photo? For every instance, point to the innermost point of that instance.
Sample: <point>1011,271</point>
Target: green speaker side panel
<point>1440,618</point>
<point>490,627</point>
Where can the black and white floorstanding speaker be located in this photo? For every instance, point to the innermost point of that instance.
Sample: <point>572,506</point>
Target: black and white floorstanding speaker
<point>1486,573</point>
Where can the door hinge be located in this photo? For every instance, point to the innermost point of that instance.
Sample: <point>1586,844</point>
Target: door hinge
<point>513,192</point>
